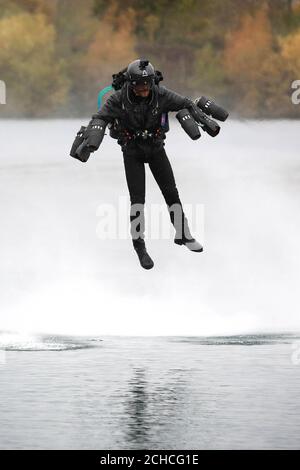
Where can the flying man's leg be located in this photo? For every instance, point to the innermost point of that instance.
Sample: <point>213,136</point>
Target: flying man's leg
<point>163,174</point>
<point>135,177</point>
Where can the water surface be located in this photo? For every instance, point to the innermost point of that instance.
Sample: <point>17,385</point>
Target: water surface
<point>237,392</point>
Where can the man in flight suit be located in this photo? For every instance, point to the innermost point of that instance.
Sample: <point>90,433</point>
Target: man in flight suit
<point>137,114</point>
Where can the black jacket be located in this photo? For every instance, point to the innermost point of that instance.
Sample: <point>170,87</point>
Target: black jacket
<point>129,114</point>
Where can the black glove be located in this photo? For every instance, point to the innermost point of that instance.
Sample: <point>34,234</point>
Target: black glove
<point>210,108</point>
<point>208,125</point>
<point>88,139</point>
<point>188,124</point>
<point>94,133</point>
<point>83,152</point>
<point>77,150</point>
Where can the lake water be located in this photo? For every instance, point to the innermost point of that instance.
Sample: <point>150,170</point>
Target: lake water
<point>237,392</point>
<point>75,367</point>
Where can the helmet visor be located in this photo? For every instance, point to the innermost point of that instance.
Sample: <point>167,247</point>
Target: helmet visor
<point>141,82</point>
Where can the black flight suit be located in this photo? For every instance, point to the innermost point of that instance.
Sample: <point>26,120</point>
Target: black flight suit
<point>130,114</point>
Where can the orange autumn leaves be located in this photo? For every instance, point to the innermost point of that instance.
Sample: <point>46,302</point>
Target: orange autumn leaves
<point>28,63</point>
<point>56,56</point>
<point>260,68</point>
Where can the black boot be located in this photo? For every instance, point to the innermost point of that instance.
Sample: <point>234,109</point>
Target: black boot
<point>183,236</point>
<point>192,244</point>
<point>140,248</point>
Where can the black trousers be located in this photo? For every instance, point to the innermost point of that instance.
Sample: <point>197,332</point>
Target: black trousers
<point>135,159</point>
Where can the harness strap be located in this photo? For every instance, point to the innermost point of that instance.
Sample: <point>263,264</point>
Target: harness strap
<point>141,134</point>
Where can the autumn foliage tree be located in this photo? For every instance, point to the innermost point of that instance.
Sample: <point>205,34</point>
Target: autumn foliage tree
<point>111,49</point>
<point>34,76</point>
<point>56,55</point>
<point>254,67</point>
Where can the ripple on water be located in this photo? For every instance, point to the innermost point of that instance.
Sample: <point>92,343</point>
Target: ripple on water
<point>12,341</point>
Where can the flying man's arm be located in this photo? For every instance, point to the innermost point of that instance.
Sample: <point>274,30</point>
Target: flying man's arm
<point>172,101</point>
<point>111,109</point>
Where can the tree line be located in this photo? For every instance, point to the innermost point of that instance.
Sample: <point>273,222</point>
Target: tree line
<point>56,56</point>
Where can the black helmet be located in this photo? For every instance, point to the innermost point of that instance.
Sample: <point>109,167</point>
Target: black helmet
<point>140,71</point>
